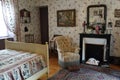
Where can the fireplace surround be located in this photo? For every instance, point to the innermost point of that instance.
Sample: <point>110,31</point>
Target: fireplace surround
<point>101,41</point>
<point>96,49</point>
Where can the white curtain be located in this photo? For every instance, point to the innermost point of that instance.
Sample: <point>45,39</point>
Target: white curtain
<point>10,13</point>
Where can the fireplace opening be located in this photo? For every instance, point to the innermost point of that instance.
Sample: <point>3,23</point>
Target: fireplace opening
<point>94,51</point>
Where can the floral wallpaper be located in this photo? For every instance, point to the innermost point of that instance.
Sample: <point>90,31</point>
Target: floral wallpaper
<point>34,25</point>
<point>81,12</point>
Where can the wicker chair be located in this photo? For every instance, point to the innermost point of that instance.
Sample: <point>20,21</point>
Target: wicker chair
<point>68,55</point>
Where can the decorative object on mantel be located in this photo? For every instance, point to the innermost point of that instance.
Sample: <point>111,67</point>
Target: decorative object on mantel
<point>24,16</point>
<point>109,28</point>
<point>109,24</point>
<point>117,23</point>
<point>66,18</point>
<point>109,31</point>
<point>97,28</point>
<point>84,26</point>
<point>117,13</point>
<point>96,17</point>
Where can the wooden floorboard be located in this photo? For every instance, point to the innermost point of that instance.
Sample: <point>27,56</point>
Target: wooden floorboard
<point>53,67</point>
<point>116,67</point>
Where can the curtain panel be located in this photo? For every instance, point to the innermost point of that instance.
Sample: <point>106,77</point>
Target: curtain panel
<point>11,17</point>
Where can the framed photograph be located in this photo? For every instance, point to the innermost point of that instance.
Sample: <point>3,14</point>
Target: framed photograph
<point>117,13</point>
<point>66,18</point>
<point>117,23</point>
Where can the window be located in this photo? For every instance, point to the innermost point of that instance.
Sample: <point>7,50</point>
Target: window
<point>3,28</point>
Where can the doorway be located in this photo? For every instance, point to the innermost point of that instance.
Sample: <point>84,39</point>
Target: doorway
<point>44,28</point>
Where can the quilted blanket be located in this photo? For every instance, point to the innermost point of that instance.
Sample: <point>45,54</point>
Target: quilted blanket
<point>19,65</point>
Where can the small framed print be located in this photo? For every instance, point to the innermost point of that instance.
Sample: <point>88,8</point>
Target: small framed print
<point>117,23</point>
<point>117,13</point>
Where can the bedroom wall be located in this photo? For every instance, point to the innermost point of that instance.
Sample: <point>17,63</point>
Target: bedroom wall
<point>80,6</point>
<point>34,25</point>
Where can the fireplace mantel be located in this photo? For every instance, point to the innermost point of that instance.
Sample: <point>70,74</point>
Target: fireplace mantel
<point>95,36</point>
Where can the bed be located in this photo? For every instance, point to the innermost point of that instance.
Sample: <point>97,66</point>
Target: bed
<point>23,61</point>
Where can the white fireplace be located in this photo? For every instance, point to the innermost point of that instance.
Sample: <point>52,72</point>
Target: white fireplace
<point>94,41</point>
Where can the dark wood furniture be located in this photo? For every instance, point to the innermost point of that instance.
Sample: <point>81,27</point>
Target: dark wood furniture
<point>2,43</point>
<point>115,60</point>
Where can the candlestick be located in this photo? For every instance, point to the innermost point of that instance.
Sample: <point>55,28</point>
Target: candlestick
<point>84,24</point>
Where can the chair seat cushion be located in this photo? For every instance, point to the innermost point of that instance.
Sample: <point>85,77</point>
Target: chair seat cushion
<point>69,56</point>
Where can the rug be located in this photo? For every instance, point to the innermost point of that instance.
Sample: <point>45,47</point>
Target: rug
<point>87,72</point>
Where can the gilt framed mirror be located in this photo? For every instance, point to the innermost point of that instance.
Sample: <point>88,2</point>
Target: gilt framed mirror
<point>97,15</point>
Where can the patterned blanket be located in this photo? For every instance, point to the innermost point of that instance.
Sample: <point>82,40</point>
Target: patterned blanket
<point>19,65</point>
<point>87,72</point>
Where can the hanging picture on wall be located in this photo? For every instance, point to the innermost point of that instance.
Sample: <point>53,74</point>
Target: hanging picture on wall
<point>117,23</point>
<point>117,13</point>
<point>66,18</point>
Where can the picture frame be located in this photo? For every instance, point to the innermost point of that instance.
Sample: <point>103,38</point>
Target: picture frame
<point>117,13</point>
<point>66,18</point>
<point>117,23</point>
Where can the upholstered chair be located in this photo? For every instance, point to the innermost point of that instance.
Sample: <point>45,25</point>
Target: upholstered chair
<point>68,55</point>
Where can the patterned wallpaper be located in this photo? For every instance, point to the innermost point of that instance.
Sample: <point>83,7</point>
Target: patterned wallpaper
<point>81,7</point>
<point>34,25</point>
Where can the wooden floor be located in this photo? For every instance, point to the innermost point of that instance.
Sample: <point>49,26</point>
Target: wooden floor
<point>116,67</point>
<point>54,67</point>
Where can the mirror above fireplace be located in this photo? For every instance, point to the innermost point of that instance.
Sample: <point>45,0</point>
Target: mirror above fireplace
<point>96,17</point>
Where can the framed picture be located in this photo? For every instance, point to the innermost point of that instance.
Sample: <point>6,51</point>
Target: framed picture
<point>66,18</point>
<point>117,13</point>
<point>117,23</point>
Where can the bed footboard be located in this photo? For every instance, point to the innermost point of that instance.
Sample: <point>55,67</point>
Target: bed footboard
<point>41,49</point>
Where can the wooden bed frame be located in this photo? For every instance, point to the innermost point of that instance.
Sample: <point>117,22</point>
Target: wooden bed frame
<point>41,49</point>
